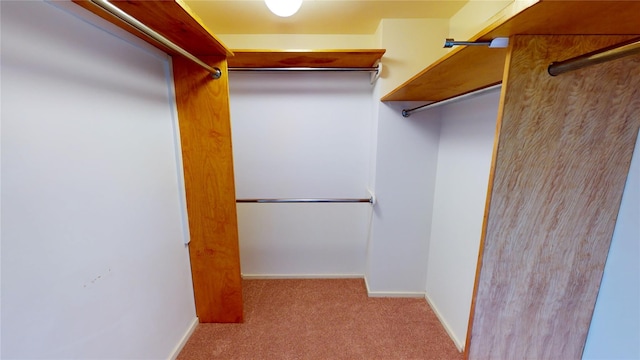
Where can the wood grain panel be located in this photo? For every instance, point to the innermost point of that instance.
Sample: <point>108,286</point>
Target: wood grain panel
<point>172,19</point>
<point>482,68</point>
<point>205,132</point>
<point>562,159</point>
<point>305,58</point>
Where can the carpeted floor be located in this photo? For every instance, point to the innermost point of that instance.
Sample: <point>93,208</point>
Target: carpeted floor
<point>323,319</point>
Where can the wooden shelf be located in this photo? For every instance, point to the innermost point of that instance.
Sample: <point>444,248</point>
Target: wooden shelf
<point>471,68</point>
<point>304,58</point>
<point>172,19</point>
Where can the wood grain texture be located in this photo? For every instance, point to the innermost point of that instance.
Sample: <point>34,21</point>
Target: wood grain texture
<point>305,58</point>
<point>172,19</point>
<point>469,68</point>
<point>562,159</point>
<point>205,132</point>
<point>486,211</point>
<point>463,70</point>
<point>577,17</point>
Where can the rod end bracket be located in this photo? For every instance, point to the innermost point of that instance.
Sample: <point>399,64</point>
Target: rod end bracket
<point>217,74</point>
<point>448,43</point>
<point>376,74</point>
<point>406,113</point>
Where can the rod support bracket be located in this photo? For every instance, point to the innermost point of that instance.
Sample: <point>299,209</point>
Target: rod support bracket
<point>499,42</point>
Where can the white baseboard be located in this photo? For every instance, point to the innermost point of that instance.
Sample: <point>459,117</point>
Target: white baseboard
<point>184,339</point>
<point>301,276</point>
<point>459,344</point>
<point>398,294</point>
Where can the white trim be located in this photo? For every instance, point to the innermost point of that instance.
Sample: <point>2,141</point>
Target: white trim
<point>395,294</point>
<point>300,276</point>
<point>366,284</point>
<point>177,150</point>
<point>183,341</point>
<point>459,344</point>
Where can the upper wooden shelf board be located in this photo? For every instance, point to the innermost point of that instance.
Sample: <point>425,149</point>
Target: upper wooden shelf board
<point>467,69</point>
<point>304,58</point>
<point>172,19</point>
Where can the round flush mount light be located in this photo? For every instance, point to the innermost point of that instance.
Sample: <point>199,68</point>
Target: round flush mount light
<point>283,8</point>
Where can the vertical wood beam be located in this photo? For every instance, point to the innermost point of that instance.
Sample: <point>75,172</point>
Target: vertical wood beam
<point>561,162</point>
<point>205,132</point>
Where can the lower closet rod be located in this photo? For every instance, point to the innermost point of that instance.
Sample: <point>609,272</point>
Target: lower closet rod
<point>370,200</point>
<point>337,69</point>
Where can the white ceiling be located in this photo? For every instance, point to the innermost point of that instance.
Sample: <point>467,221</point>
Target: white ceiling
<point>315,16</point>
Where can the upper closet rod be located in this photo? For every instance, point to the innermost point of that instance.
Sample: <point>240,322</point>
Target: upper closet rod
<point>375,70</point>
<point>135,23</point>
<point>596,57</point>
<point>408,112</point>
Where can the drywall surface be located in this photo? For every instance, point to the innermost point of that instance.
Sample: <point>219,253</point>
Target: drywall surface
<point>464,162</point>
<point>299,41</point>
<point>477,15</point>
<point>412,45</point>
<point>615,326</point>
<point>93,257</point>
<point>303,240</point>
<point>302,135</point>
<point>406,159</point>
<point>403,163</point>
<point>474,16</point>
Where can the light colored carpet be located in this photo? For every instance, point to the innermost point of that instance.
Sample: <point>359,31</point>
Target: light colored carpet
<point>323,319</point>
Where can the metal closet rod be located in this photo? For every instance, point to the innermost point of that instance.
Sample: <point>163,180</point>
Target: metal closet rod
<point>337,69</point>
<point>144,29</point>
<point>408,112</point>
<point>627,48</point>
<point>370,200</point>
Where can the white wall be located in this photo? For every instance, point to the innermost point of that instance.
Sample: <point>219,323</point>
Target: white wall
<point>299,41</point>
<point>464,162</point>
<point>405,179</point>
<point>477,15</point>
<point>615,326</point>
<point>403,164</point>
<point>93,257</point>
<point>412,45</point>
<point>302,135</point>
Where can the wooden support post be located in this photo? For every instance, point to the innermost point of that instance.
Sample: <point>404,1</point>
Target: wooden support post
<point>205,131</point>
<point>563,152</point>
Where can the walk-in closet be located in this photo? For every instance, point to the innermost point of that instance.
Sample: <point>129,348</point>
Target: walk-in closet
<point>470,165</point>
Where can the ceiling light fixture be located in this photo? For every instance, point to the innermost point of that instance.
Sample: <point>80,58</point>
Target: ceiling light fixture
<point>283,8</point>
